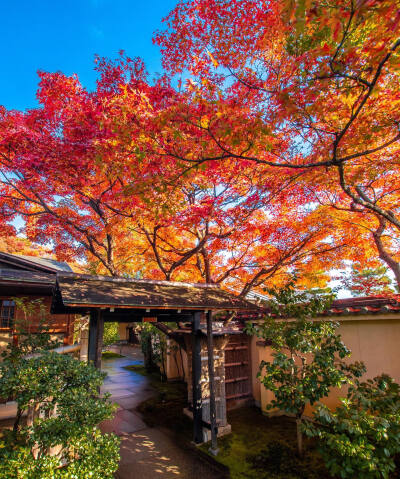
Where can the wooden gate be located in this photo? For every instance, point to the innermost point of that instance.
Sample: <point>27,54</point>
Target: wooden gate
<point>237,371</point>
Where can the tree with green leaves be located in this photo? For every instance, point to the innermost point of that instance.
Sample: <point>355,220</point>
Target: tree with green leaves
<point>111,334</point>
<point>154,347</point>
<point>59,393</point>
<point>362,436</point>
<point>308,354</point>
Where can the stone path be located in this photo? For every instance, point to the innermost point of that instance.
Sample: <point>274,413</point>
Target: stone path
<point>146,453</point>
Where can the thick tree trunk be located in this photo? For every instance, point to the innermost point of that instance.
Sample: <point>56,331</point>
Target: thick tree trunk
<point>299,436</point>
<point>384,255</point>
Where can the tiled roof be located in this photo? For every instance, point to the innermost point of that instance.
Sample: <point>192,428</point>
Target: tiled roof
<point>365,305</point>
<point>34,263</point>
<point>47,262</point>
<point>20,276</point>
<point>344,307</point>
<point>101,291</point>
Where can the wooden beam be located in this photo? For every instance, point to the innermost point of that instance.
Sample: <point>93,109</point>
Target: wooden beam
<point>99,342</point>
<point>96,330</point>
<point>92,335</point>
<point>135,317</point>
<point>196,377</point>
<point>211,379</point>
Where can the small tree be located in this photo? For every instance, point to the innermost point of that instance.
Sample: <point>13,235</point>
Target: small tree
<point>111,334</point>
<point>362,436</point>
<point>308,355</point>
<point>62,439</point>
<point>154,345</point>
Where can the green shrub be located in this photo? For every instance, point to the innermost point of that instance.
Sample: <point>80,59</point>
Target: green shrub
<point>110,334</point>
<point>362,436</point>
<point>63,440</point>
<point>95,455</point>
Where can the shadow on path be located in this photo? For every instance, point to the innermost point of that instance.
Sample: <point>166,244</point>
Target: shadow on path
<point>146,453</point>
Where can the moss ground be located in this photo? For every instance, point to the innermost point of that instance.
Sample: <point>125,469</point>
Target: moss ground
<point>242,451</point>
<point>111,355</point>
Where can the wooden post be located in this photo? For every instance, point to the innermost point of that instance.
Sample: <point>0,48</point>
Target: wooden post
<point>92,335</point>
<point>83,355</point>
<point>96,330</point>
<point>196,376</point>
<point>211,378</point>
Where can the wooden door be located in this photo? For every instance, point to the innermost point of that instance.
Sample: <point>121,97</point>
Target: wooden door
<point>237,371</point>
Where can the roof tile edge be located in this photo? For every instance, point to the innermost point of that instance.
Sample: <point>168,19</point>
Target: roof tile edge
<point>89,277</point>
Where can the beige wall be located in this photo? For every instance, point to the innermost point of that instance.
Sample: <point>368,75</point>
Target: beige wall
<point>5,339</point>
<point>375,340</point>
<point>176,367</point>
<point>123,331</point>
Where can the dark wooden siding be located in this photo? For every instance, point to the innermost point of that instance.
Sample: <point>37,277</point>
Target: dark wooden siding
<point>237,371</point>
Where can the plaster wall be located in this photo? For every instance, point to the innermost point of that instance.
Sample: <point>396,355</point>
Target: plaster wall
<point>176,362</point>
<point>123,331</point>
<point>372,339</point>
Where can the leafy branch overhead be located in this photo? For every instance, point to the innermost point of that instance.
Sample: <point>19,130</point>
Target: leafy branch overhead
<point>253,155</point>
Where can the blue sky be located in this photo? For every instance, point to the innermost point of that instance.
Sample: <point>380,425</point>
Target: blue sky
<point>65,36</point>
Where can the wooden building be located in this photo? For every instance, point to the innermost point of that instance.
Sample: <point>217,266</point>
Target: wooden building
<point>189,305</point>
<point>30,278</point>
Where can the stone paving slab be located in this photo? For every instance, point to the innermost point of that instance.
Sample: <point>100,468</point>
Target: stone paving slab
<point>123,422</point>
<point>131,402</point>
<point>146,453</point>
<point>150,454</point>
<point>120,393</point>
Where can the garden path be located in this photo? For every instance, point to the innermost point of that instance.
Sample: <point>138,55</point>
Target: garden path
<point>146,453</point>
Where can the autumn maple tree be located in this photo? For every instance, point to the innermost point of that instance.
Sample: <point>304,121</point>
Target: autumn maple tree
<point>84,170</point>
<point>301,88</point>
<point>262,162</point>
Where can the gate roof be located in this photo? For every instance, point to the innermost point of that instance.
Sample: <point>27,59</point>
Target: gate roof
<point>76,291</point>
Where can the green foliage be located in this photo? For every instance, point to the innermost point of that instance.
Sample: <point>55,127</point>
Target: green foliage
<point>61,393</point>
<point>111,355</point>
<point>154,344</point>
<point>94,455</point>
<point>361,438</point>
<point>111,334</point>
<point>308,355</point>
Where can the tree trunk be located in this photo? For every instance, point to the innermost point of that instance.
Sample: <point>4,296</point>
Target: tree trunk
<point>183,368</point>
<point>17,420</point>
<point>384,255</point>
<point>299,436</point>
<point>147,352</point>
